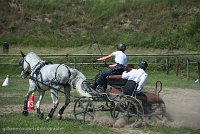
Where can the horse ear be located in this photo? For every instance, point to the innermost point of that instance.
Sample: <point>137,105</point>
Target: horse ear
<point>22,54</point>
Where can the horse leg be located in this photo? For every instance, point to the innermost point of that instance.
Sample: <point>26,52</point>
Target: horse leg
<point>39,113</point>
<point>67,101</point>
<point>25,111</point>
<point>54,96</point>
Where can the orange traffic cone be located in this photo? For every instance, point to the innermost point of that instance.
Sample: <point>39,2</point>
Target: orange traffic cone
<point>30,103</point>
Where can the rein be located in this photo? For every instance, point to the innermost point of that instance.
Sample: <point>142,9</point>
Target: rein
<point>34,79</point>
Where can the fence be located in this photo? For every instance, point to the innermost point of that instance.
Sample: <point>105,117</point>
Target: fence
<point>197,63</point>
<point>166,60</point>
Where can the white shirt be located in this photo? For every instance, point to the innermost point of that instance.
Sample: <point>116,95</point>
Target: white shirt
<point>120,57</point>
<point>137,75</point>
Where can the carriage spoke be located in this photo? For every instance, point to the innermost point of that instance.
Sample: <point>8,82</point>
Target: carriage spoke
<point>79,113</point>
<point>81,105</point>
<point>83,109</point>
<point>90,114</point>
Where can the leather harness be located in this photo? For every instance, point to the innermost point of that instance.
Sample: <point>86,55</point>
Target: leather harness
<point>35,76</point>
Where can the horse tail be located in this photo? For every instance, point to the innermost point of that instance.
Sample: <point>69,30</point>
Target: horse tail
<point>77,82</point>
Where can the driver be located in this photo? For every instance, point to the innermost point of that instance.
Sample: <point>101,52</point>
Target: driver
<point>120,59</point>
<point>136,78</point>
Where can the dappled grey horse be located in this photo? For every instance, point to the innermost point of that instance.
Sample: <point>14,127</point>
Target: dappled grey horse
<point>47,76</point>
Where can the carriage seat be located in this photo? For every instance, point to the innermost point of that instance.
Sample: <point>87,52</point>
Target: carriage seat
<point>116,80</point>
<point>151,98</point>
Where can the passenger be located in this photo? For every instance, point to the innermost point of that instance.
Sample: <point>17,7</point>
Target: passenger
<point>136,79</point>
<point>116,68</point>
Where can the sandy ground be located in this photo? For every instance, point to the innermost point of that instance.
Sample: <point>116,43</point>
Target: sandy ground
<point>183,105</point>
<point>183,109</point>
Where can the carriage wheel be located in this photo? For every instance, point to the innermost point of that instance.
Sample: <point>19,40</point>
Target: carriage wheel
<point>84,110</point>
<point>139,105</point>
<point>115,99</point>
<point>159,110</point>
<point>115,113</point>
<point>126,108</point>
<point>112,106</point>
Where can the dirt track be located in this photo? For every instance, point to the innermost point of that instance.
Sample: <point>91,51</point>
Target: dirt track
<point>183,107</point>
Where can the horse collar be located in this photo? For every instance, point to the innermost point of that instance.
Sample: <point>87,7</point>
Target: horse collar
<point>38,67</point>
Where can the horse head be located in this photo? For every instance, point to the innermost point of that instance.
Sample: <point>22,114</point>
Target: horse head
<point>26,69</point>
<point>28,62</point>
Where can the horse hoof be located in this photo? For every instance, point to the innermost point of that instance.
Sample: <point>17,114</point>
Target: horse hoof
<point>41,116</point>
<point>47,119</point>
<point>59,116</point>
<point>25,113</point>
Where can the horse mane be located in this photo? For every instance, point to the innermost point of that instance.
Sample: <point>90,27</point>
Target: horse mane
<point>34,55</point>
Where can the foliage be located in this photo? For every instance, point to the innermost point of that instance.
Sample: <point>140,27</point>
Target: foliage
<point>164,24</point>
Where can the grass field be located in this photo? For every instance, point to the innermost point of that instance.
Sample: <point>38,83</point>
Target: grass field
<point>12,121</point>
<point>75,27</point>
<point>16,123</point>
<point>11,98</point>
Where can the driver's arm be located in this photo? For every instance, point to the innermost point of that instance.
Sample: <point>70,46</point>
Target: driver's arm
<point>105,57</point>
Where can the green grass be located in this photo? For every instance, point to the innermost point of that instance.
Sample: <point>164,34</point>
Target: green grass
<point>172,80</point>
<point>14,93</point>
<point>168,130</point>
<point>17,123</point>
<point>164,24</point>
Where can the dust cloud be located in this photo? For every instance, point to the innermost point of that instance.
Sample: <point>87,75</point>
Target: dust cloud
<point>183,110</point>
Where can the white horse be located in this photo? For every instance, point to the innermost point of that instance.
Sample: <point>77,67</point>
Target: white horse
<point>46,76</point>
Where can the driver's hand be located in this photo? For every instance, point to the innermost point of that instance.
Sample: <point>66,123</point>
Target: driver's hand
<point>139,88</point>
<point>94,61</point>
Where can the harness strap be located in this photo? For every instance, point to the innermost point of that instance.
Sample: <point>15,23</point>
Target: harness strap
<point>37,73</point>
<point>70,74</point>
<point>56,82</point>
<point>34,79</point>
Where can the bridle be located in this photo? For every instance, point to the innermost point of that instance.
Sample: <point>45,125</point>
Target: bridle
<point>21,63</point>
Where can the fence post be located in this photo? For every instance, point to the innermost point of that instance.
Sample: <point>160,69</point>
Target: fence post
<point>5,47</point>
<point>167,64</point>
<point>188,69</point>
<point>198,65</point>
<point>177,65</point>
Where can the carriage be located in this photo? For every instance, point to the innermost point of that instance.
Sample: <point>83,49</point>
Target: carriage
<point>133,107</point>
<point>47,76</point>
